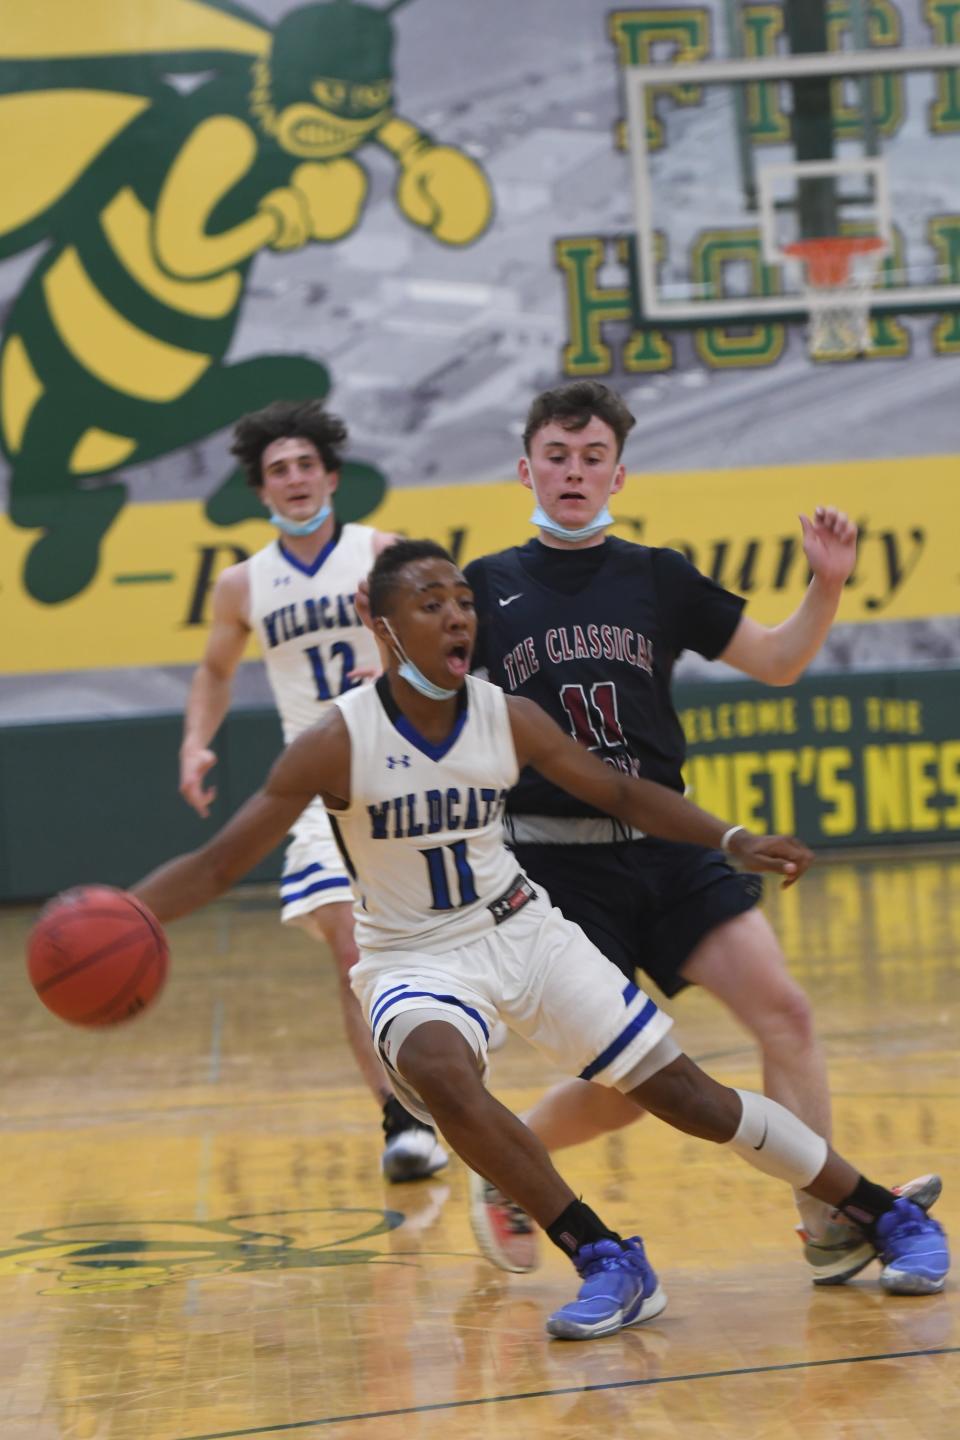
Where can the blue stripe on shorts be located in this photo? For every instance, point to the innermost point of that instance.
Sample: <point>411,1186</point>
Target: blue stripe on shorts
<point>390,998</point>
<point>638,1023</point>
<point>297,875</point>
<point>338,882</point>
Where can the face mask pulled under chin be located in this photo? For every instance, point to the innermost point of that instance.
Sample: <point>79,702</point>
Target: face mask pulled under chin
<point>600,521</point>
<point>413,674</point>
<point>301,527</point>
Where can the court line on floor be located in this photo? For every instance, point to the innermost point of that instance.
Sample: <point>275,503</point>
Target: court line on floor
<point>289,1426</point>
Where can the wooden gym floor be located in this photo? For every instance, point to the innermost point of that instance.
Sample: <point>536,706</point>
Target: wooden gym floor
<point>195,1241</point>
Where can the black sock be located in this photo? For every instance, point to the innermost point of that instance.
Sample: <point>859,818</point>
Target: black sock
<point>396,1118</point>
<point>577,1226</point>
<point>866,1203</point>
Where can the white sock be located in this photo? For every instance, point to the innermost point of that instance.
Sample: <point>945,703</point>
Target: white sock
<point>814,1214</point>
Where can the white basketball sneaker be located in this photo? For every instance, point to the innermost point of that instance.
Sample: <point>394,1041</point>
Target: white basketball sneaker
<point>412,1150</point>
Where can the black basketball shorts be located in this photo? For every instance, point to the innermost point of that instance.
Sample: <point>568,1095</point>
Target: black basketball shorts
<point>646,904</point>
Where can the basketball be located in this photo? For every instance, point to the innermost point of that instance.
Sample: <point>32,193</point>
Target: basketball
<point>97,956</point>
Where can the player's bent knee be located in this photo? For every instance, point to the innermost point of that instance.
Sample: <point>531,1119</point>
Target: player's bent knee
<point>429,1051</point>
<point>789,1020</point>
<point>773,1140</point>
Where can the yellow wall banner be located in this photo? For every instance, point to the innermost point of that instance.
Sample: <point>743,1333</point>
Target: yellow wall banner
<point>149,601</point>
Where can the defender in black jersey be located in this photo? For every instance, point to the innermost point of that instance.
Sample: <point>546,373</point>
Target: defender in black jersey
<point>590,627</point>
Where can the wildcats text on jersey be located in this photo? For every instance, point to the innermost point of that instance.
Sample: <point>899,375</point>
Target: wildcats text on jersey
<point>325,612</point>
<point>562,643</point>
<point>406,816</point>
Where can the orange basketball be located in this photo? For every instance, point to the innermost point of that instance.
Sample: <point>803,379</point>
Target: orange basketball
<point>97,956</point>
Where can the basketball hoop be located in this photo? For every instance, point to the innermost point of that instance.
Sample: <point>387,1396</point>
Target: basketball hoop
<point>838,291</point>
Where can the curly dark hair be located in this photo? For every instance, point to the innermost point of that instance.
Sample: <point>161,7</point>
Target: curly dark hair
<point>573,406</point>
<point>288,420</point>
<point>386,575</point>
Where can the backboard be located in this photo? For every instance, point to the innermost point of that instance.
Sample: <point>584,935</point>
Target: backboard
<point>734,161</point>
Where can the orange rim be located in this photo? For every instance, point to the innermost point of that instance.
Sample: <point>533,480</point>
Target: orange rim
<point>828,257</point>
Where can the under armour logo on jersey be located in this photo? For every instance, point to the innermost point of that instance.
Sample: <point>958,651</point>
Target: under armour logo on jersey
<point>393,761</point>
<point>280,580</point>
<point>510,598</point>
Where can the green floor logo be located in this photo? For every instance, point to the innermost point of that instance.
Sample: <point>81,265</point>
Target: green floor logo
<point>140,1254</point>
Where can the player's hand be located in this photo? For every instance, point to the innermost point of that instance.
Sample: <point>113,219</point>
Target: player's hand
<point>830,543</point>
<point>194,765</point>
<point>778,853</point>
<point>361,602</point>
<point>444,191</point>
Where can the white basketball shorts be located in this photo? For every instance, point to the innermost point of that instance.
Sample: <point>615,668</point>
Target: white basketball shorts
<point>540,974</point>
<point>313,871</point>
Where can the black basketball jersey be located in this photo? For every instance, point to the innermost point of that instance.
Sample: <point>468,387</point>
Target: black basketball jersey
<point>592,637</point>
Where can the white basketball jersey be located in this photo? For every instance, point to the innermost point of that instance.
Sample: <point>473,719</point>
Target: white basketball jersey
<point>423,835</point>
<point>307,625</point>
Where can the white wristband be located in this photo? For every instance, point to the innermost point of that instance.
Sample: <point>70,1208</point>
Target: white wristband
<point>729,834</point>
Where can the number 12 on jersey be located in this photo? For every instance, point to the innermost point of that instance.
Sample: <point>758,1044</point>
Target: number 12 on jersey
<point>439,869</point>
<point>340,651</point>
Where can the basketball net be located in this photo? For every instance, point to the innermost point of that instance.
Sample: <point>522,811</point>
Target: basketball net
<point>838,291</point>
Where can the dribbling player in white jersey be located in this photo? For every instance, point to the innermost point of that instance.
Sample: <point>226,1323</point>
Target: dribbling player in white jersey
<point>414,772</point>
<point>296,596</point>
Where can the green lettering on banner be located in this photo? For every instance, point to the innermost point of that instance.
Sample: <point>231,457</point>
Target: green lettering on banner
<point>656,34</point>
<point>723,346</point>
<point>761,27</point>
<point>591,306</point>
<point>943,17</point>
<point>944,234</point>
<point>886,90</point>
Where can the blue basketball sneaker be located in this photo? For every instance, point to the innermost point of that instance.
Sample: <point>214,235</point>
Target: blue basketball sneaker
<point>843,1250</point>
<point>619,1289</point>
<point>913,1251</point>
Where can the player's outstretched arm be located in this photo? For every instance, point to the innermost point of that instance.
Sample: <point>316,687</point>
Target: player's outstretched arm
<point>212,686</point>
<point>316,763</point>
<point>779,654</point>
<point>641,803</point>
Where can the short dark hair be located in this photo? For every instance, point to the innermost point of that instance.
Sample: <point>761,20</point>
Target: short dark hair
<point>288,420</point>
<point>574,405</point>
<point>385,577</point>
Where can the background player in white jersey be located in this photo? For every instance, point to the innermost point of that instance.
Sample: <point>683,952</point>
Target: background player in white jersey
<point>296,597</point>
<point>453,934</point>
<point>590,626</point>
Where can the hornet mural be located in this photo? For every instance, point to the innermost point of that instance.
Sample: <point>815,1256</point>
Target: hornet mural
<point>156,147</point>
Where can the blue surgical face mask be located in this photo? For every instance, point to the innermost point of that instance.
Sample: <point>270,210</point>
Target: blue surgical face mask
<point>301,527</point>
<point>600,521</point>
<point>413,675</point>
